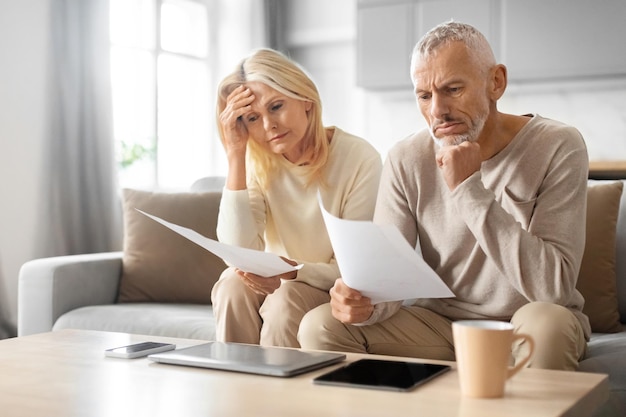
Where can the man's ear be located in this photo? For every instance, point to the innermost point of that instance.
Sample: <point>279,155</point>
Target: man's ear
<point>498,82</point>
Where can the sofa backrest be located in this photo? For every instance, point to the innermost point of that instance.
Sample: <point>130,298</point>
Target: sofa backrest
<point>620,256</point>
<point>209,184</point>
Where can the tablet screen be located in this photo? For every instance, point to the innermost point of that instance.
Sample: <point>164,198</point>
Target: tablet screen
<point>382,374</point>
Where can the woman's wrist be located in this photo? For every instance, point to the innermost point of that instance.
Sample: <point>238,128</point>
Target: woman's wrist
<point>236,177</point>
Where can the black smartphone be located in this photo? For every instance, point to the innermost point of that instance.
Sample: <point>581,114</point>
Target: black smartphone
<point>382,374</point>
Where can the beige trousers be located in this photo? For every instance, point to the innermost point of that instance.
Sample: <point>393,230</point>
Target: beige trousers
<point>246,317</point>
<point>421,333</point>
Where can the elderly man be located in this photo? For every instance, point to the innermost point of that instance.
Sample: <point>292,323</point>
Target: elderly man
<point>495,203</point>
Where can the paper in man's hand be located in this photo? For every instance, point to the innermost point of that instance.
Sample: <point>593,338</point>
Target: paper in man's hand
<point>379,262</point>
<point>261,263</point>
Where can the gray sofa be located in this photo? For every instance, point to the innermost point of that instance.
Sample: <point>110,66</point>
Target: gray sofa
<point>81,292</point>
<point>606,353</point>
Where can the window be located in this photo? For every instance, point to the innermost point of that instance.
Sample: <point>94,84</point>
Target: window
<point>162,95</point>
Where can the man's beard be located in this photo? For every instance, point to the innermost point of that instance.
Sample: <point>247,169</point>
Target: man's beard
<point>470,136</point>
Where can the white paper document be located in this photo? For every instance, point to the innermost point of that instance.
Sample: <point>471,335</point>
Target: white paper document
<point>379,262</point>
<point>257,262</point>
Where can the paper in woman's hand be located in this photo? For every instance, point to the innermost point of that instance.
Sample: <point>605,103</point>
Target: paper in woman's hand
<point>261,263</point>
<point>379,262</point>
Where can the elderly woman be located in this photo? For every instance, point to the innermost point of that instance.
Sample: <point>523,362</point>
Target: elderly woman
<point>280,157</point>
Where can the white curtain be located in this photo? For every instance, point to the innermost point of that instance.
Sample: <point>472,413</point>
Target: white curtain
<point>7,329</point>
<point>241,28</point>
<point>275,24</point>
<point>81,210</point>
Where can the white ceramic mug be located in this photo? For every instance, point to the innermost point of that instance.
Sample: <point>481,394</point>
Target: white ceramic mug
<point>483,351</point>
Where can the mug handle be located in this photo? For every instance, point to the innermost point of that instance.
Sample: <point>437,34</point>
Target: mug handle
<point>523,362</point>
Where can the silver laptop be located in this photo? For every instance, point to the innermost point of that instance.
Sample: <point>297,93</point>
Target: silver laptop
<point>253,359</point>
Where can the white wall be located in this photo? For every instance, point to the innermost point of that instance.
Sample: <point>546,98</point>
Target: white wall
<point>596,108</point>
<point>23,29</point>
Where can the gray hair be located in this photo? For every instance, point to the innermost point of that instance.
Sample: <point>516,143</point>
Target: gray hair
<point>452,31</point>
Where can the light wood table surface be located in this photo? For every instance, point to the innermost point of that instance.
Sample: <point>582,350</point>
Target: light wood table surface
<point>66,374</point>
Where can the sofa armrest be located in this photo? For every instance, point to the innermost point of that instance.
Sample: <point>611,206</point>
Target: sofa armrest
<point>50,287</point>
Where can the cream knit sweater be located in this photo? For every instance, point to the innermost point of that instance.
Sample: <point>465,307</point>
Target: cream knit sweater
<point>286,219</point>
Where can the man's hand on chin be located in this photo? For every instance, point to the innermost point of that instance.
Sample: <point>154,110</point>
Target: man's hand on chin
<point>458,162</point>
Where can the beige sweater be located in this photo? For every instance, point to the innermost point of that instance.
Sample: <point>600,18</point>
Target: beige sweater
<point>512,233</point>
<point>286,219</point>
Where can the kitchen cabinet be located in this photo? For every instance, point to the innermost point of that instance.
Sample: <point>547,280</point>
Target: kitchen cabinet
<point>384,43</point>
<point>563,39</point>
<point>537,40</point>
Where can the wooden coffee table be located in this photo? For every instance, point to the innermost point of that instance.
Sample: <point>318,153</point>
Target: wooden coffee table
<point>66,374</point>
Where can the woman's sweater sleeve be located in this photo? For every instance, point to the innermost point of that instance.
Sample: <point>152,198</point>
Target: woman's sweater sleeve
<point>241,219</point>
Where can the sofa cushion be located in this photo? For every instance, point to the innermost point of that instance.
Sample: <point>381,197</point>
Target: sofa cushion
<point>597,280</point>
<point>620,261</point>
<point>158,264</point>
<point>188,321</point>
<point>605,355</point>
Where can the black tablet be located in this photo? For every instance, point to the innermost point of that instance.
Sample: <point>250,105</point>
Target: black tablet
<point>382,374</point>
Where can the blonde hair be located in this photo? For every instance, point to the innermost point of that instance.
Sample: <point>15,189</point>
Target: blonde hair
<point>452,31</point>
<point>274,69</point>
